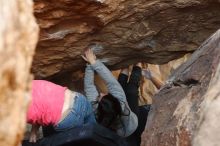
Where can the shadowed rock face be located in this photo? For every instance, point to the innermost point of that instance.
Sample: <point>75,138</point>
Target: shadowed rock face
<point>154,31</point>
<point>186,110</point>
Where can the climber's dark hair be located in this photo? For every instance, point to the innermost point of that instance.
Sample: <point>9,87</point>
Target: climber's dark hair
<point>109,112</point>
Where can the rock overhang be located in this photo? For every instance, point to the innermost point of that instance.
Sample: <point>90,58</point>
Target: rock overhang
<point>129,31</point>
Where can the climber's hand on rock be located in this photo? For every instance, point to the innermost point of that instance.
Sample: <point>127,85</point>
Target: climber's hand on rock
<point>146,73</point>
<point>89,56</point>
<point>139,64</point>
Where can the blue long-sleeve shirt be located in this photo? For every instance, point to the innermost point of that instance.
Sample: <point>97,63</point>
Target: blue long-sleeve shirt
<point>130,121</point>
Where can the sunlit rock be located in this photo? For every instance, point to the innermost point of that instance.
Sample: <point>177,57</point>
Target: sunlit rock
<point>18,37</point>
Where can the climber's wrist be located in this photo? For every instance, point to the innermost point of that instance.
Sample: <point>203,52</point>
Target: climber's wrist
<point>92,61</point>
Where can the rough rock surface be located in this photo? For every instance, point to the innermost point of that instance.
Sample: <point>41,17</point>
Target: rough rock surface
<point>18,38</point>
<point>208,133</point>
<point>186,111</point>
<point>154,31</point>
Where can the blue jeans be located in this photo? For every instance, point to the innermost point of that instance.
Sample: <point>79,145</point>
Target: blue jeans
<point>81,113</point>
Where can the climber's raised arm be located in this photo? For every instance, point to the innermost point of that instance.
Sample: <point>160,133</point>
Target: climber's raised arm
<point>156,81</point>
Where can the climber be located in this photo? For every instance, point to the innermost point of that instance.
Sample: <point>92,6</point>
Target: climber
<point>131,89</point>
<point>58,106</point>
<point>112,110</point>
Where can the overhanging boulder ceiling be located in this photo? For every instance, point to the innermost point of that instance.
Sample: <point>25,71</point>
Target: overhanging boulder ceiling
<point>154,31</point>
